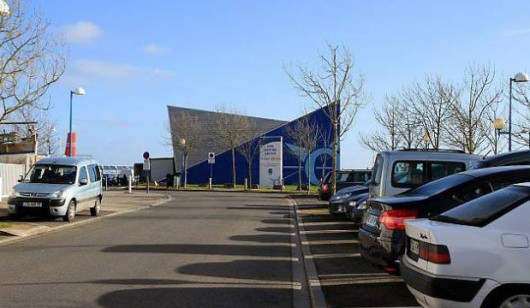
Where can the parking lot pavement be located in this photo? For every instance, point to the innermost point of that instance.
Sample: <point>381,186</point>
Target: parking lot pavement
<point>342,277</point>
<point>114,202</point>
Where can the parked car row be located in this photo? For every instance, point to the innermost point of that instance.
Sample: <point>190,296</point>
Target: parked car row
<point>452,224</point>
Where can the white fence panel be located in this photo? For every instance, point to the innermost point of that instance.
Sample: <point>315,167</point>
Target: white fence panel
<point>9,173</point>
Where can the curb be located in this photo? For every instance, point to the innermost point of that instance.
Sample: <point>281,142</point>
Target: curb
<point>47,229</point>
<point>312,281</point>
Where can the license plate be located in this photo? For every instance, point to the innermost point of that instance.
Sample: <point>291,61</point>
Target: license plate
<point>371,220</point>
<point>414,247</point>
<point>32,204</point>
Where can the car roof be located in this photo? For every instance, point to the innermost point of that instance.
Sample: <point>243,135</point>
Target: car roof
<point>509,157</point>
<point>69,161</point>
<point>424,154</point>
<point>484,172</point>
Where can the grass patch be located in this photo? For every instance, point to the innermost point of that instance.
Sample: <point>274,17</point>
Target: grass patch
<point>4,225</point>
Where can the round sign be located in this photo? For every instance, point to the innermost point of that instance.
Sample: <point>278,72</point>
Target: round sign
<point>146,155</point>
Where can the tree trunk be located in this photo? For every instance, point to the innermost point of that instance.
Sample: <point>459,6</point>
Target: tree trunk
<point>249,176</point>
<point>334,158</point>
<point>308,172</point>
<point>185,171</point>
<point>233,167</point>
<point>299,169</point>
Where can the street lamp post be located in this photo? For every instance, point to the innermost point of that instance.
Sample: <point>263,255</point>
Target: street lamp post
<point>78,91</point>
<point>182,144</point>
<point>519,77</point>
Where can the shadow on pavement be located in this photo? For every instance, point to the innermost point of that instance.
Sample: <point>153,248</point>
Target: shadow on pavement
<point>262,238</point>
<point>198,297</point>
<point>226,250</point>
<point>285,221</point>
<point>276,229</point>
<point>268,270</point>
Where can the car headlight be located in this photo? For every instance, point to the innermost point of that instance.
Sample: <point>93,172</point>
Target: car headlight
<point>57,195</point>
<point>362,206</point>
<point>352,203</point>
<point>15,194</point>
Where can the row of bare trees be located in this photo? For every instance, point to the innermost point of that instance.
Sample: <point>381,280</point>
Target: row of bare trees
<point>436,113</point>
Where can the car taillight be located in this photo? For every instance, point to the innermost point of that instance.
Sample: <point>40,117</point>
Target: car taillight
<point>325,187</point>
<point>434,253</point>
<point>395,219</point>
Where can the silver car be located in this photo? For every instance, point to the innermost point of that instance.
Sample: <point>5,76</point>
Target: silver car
<point>58,187</point>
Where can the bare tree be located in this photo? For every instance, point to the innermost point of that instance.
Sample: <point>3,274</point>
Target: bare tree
<point>324,136</point>
<point>521,133</point>
<point>388,118</point>
<point>231,128</point>
<point>305,134</point>
<point>431,102</point>
<point>334,88</point>
<point>249,147</point>
<point>468,130</point>
<point>31,60</point>
<point>185,134</point>
<point>492,137</point>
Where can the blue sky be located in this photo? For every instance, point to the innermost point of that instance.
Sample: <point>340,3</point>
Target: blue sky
<point>136,57</point>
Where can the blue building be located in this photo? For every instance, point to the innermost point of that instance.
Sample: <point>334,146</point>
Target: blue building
<point>314,166</point>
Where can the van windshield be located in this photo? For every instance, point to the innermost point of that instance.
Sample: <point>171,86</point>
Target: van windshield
<point>51,174</point>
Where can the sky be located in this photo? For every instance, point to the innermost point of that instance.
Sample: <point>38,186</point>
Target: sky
<point>136,57</point>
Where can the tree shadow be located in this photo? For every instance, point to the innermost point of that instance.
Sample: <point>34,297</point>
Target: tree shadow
<point>262,238</point>
<point>208,249</point>
<point>266,270</point>
<point>276,229</point>
<point>227,297</point>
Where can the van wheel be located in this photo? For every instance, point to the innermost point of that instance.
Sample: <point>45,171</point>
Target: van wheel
<point>94,211</point>
<point>70,212</point>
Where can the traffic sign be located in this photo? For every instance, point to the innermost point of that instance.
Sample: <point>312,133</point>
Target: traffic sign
<point>146,155</point>
<point>211,157</point>
<point>147,164</point>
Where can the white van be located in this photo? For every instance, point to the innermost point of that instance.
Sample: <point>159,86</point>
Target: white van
<point>397,171</point>
<point>58,187</point>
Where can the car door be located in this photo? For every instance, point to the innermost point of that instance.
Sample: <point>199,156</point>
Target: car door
<point>84,193</point>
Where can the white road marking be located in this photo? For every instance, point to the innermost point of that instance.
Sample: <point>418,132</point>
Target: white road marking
<point>329,231</point>
<point>334,255</point>
<point>330,242</point>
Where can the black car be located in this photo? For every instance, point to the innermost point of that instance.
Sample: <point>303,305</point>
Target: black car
<point>382,231</point>
<point>505,159</point>
<point>338,204</point>
<point>356,207</point>
<point>345,178</point>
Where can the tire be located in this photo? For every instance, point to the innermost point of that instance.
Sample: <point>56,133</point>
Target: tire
<point>513,297</point>
<point>70,212</point>
<point>94,211</point>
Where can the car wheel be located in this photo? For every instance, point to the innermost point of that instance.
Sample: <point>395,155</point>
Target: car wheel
<point>520,297</point>
<point>70,212</point>
<point>94,211</point>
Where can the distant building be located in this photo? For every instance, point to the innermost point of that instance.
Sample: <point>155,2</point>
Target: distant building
<point>267,130</point>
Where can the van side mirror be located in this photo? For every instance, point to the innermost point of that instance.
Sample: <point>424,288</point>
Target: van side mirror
<point>20,178</point>
<point>83,182</point>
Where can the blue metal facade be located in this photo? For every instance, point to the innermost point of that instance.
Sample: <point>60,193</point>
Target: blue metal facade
<point>320,159</point>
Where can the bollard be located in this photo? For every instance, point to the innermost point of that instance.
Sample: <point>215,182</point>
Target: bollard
<point>210,183</point>
<point>130,184</point>
<point>246,184</point>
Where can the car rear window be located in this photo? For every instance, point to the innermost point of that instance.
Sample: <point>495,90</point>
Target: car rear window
<point>482,211</point>
<point>410,174</point>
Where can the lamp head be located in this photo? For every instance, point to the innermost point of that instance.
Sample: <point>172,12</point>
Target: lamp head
<point>79,91</point>
<point>521,77</point>
<point>426,137</point>
<point>4,8</point>
<point>182,142</point>
<point>499,123</point>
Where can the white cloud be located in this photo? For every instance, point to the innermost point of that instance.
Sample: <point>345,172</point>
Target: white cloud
<point>82,32</point>
<point>94,71</point>
<point>517,32</point>
<point>154,49</point>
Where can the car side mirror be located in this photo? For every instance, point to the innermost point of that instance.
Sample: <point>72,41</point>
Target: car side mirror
<point>21,178</point>
<point>83,182</point>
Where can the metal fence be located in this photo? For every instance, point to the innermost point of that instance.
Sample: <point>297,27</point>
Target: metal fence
<point>9,175</point>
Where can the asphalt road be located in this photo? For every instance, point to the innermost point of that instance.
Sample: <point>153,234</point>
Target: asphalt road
<point>199,250</point>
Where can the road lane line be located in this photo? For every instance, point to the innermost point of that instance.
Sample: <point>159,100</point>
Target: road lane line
<point>336,231</point>
<point>330,242</point>
<point>325,223</point>
<point>333,255</point>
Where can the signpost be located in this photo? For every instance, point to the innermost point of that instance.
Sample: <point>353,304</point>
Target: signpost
<point>211,162</point>
<point>147,168</point>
